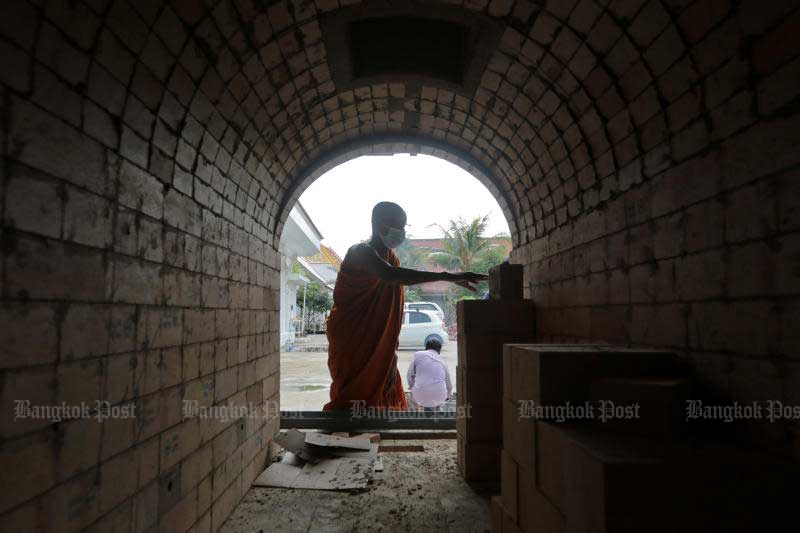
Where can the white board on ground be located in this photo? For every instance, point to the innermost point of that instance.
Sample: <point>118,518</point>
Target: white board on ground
<point>335,473</point>
<point>320,439</point>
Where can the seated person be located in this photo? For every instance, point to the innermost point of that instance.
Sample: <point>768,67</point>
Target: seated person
<point>428,377</point>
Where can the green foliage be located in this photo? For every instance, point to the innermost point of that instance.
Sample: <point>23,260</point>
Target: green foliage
<point>411,294</point>
<point>410,256</point>
<point>491,256</point>
<point>465,248</point>
<point>318,298</point>
<point>463,243</point>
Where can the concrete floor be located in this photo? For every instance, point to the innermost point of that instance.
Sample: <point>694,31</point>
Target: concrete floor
<point>306,380</point>
<point>417,491</point>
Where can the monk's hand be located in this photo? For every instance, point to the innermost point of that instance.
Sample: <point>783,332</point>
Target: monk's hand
<point>468,279</point>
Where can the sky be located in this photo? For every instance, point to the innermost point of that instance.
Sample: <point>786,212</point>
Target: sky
<point>429,189</point>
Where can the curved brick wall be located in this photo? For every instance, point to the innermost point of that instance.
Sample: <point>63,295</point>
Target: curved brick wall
<point>645,154</point>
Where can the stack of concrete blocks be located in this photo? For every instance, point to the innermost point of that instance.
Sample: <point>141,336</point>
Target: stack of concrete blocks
<point>534,481</point>
<point>483,327</point>
<point>586,475</point>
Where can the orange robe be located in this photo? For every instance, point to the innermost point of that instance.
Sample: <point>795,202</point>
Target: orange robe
<point>363,329</point>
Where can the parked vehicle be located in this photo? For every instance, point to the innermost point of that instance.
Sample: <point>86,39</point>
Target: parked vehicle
<point>425,306</point>
<point>419,327</point>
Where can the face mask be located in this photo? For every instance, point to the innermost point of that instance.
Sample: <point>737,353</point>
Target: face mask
<point>393,238</point>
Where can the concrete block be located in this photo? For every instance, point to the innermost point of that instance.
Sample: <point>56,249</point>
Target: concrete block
<point>557,375</point>
<point>481,387</point>
<point>479,461</point>
<point>659,404</point>
<point>496,316</point>
<point>519,435</point>
<point>496,510</point>
<point>505,282</point>
<point>508,483</point>
<point>536,514</point>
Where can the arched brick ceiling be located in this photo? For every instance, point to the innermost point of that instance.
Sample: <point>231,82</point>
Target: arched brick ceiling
<point>579,101</point>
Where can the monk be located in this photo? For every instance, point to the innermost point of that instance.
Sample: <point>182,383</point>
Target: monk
<point>364,324</point>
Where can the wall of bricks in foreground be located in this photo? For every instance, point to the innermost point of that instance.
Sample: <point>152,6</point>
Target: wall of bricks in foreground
<point>135,271</point>
<point>703,259</point>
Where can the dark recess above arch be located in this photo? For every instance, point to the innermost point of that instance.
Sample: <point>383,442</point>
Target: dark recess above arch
<point>381,42</point>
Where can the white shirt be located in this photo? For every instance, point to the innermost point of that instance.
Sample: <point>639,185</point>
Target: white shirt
<point>429,379</point>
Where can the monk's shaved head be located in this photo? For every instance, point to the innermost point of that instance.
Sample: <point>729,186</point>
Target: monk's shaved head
<point>388,213</point>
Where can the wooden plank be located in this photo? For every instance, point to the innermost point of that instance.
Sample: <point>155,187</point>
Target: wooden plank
<point>401,448</point>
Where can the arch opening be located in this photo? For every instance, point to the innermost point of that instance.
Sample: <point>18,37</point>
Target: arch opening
<point>434,191</point>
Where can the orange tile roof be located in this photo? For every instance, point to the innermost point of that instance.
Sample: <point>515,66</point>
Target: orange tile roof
<point>326,255</point>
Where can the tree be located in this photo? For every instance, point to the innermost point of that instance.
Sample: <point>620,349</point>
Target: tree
<point>462,245</point>
<point>465,248</point>
<point>411,256</point>
<point>318,299</point>
<point>318,302</point>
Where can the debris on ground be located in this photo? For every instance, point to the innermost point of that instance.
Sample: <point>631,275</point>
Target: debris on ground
<point>322,461</point>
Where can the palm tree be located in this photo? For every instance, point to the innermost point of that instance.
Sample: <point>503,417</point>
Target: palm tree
<point>463,244</point>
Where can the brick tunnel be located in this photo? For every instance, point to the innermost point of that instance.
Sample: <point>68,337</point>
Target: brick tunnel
<point>644,153</point>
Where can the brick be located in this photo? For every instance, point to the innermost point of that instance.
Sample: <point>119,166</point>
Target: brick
<point>87,219</point>
<point>140,191</point>
<point>39,268</point>
<point>750,213</point>
<point>787,278</point>
<point>118,476</point>
<point>16,67</point>
<point>778,89</point>
<point>52,146</point>
<point>33,203</point>
<point>37,386</point>
<point>777,46</point>
<point>137,281</point>
<point>755,17</point>
<point>19,23</point>
<point>29,336</point>
<point>145,508</point>
<point>740,327</point>
<point>56,96</point>
<point>182,212</point>
<point>80,446</point>
<point>134,147</point>
<point>30,461</point>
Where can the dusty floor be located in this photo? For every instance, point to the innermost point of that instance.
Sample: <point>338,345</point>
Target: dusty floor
<point>417,491</point>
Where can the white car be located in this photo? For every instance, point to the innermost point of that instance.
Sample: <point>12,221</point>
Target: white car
<point>425,306</point>
<point>419,327</point>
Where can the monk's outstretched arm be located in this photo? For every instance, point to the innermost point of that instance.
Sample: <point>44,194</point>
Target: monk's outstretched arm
<point>370,260</point>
